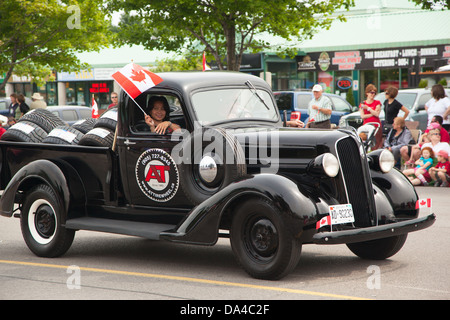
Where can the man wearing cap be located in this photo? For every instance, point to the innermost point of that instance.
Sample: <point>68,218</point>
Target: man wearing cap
<point>37,101</point>
<point>319,109</point>
<point>440,172</point>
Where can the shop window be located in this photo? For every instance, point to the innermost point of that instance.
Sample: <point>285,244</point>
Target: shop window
<point>52,97</point>
<point>325,79</point>
<point>71,97</point>
<point>81,95</point>
<point>367,77</point>
<point>389,78</point>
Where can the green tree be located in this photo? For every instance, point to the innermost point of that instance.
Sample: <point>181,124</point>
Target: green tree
<point>222,27</point>
<point>433,4</point>
<point>38,36</point>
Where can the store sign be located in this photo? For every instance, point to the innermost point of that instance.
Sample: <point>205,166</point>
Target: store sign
<point>306,64</point>
<point>88,75</point>
<point>101,87</point>
<point>344,83</point>
<point>375,58</point>
<point>251,61</point>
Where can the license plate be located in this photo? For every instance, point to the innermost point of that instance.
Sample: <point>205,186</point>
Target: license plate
<point>341,213</point>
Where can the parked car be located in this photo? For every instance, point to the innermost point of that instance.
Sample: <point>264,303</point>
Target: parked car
<point>71,114</point>
<point>298,101</point>
<point>413,99</point>
<point>4,105</point>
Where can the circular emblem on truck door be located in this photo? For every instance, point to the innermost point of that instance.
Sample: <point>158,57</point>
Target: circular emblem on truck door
<point>157,175</point>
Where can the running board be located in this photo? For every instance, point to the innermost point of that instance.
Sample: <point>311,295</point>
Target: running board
<point>131,228</point>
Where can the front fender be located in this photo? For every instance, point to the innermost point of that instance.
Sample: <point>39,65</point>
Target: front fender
<point>39,171</point>
<point>399,191</point>
<point>201,226</point>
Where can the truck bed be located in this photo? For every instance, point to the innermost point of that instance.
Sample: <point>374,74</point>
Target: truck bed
<point>96,166</point>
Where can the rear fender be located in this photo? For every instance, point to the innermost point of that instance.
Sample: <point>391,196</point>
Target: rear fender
<point>45,172</point>
<point>201,226</point>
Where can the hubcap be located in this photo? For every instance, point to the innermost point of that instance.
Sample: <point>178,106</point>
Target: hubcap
<point>207,169</point>
<point>42,221</point>
<point>45,221</point>
<point>263,238</point>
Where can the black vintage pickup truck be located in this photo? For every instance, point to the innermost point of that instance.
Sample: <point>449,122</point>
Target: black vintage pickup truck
<point>231,170</point>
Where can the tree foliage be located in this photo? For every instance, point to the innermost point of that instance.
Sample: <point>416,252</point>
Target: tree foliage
<point>37,36</point>
<point>433,4</point>
<point>222,27</point>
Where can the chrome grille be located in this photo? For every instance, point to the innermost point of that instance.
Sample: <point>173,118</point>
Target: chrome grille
<point>355,175</point>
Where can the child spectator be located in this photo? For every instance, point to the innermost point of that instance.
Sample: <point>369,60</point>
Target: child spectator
<point>420,175</point>
<point>440,172</point>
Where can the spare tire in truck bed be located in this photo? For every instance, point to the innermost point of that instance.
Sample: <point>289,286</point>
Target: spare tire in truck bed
<point>43,118</point>
<point>63,135</point>
<point>98,137</point>
<point>24,131</point>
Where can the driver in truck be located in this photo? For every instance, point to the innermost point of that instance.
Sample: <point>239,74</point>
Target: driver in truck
<point>158,116</point>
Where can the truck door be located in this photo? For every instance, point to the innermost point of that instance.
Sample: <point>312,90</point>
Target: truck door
<point>149,172</point>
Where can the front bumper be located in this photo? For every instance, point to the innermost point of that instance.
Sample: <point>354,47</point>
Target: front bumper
<point>373,233</point>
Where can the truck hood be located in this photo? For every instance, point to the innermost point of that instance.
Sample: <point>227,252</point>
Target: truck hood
<point>287,147</point>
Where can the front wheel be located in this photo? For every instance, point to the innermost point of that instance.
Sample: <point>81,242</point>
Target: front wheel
<point>40,221</point>
<point>379,249</point>
<point>261,242</point>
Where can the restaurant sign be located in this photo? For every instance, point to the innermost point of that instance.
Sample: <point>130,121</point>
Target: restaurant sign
<point>373,58</point>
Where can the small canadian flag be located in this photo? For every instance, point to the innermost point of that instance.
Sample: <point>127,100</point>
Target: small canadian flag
<point>423,203</point>
<point>205,65</point>
<point>325,221</point>
<point>94,108</point>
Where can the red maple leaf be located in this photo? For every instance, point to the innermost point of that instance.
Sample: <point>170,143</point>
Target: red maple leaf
<point>138,76</point>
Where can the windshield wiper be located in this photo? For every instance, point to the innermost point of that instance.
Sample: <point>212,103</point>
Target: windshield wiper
<point>252,87</point>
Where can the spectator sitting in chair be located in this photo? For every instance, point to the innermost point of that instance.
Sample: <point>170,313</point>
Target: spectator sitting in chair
<point>397,137</point>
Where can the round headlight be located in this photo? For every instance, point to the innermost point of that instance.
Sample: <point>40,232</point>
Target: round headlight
<point>330,165</point>
<point>386,161</point>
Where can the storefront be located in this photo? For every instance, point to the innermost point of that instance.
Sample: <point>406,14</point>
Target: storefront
<point>340,71</point>
<point>78,88</point>
<point>24,85</point>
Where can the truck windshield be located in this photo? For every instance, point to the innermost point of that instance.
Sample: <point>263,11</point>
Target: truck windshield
<point>230,104</point>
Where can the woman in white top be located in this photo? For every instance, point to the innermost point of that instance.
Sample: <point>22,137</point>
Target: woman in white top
<point>439,104</point>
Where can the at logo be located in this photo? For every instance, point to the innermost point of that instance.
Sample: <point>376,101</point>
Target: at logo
<point>157,175</point>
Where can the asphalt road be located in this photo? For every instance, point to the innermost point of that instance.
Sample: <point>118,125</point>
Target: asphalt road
<point>105,266</point>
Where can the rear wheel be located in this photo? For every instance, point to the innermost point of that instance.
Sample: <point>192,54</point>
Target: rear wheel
<point>379,249</point>
<point>40,221</point>
<point>261,242</point>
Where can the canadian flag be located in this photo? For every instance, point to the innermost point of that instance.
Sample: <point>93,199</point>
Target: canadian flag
<point>94,108</point>
<point>205,66</point>
<point>134,79</point>
<point>423,203</point>
<point>325,221</point>
<point>295,115</point>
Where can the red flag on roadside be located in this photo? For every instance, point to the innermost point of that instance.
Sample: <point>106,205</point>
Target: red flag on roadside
<point>205,66</point>
<point>134,79</point>
<point>94,108</point>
